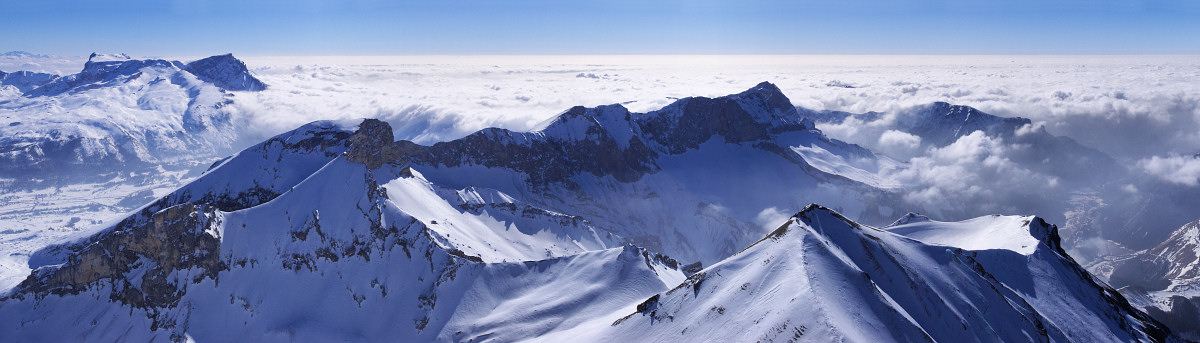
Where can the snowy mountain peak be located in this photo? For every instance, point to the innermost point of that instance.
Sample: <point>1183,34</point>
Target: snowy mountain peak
<point>822,277</point>
<point>102,57</point>
<point>582,123</point>
<point>769,95</point>
<point>959,120</point>
<point>910,218</point>
<point>226,72</point>
<point>812,214</point>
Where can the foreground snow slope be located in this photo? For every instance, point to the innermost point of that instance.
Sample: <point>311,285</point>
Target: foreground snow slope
<point>822,277</point>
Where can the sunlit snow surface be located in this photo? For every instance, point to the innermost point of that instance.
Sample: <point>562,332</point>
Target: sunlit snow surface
<point>983,233</point>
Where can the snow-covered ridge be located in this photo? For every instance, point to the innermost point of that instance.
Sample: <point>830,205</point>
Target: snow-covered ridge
<point>101,70</point>
<point>823,277</point>
<point>97,57</point>
<point>25,81</point>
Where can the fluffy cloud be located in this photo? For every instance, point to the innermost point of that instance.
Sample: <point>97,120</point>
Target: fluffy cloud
<point>971,176</point>
<point>899,144</point>
<point>771,218</point>
<point>1183,170</point>
<point>58,65</point>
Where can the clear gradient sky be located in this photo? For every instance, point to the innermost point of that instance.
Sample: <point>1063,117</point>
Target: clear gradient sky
<point>402,27</point>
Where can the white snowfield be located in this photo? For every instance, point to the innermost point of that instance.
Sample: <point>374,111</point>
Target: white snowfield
<point>983,233</point>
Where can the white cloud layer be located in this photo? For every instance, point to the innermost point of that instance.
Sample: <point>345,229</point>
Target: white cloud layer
<point>1129,106</point>
<point>1183,170</point>
<point>899,144</point>
<point>974,173</point>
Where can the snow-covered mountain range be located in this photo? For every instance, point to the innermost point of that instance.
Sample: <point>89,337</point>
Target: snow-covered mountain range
<point>118,113</point>
<point>335,230</point>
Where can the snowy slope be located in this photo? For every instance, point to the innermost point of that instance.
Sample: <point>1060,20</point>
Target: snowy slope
<point>821,277</point>
<point>983,233</point>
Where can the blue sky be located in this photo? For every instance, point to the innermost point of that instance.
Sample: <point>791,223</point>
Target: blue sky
<point>400,27</point>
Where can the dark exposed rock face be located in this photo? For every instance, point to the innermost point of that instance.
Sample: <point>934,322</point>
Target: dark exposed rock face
<point>137,258</point>
<point>373,144</point>
<point>691,121</point>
